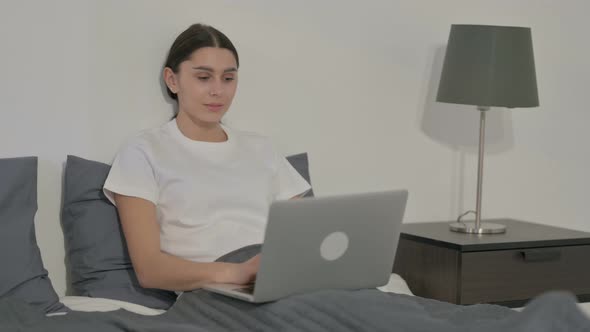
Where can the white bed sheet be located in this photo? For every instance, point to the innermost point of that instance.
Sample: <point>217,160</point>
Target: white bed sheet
<point>92,304</point>
<point>585,307</point>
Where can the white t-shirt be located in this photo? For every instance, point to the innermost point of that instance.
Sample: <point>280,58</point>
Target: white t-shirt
<point>211,198</point>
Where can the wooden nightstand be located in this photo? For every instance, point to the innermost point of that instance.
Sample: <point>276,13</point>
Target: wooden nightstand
<point>507,269</point>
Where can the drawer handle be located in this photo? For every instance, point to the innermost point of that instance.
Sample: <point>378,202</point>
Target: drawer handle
<point>538,255</point>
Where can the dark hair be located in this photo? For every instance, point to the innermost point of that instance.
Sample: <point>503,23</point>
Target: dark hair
<point>195,37</point>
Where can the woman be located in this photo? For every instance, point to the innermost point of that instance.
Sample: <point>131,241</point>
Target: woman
<point>194,189</point>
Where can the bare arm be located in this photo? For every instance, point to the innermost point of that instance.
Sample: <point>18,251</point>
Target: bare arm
<point>156,269</point>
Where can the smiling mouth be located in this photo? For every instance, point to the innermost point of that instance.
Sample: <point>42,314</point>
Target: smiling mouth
<point>214,107</point>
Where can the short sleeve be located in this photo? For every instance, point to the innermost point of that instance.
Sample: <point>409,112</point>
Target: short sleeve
<point>131,174</point>
<point>287,181</point>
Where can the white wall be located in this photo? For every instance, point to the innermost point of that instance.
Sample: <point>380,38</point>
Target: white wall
<point>352,83</point>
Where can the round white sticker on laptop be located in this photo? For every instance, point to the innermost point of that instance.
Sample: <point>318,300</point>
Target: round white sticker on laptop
<point>334,246</point>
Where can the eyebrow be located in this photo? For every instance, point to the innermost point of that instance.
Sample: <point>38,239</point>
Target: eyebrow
<point>209,69</point>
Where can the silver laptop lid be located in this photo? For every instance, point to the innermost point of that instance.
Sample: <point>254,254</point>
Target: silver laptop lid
<point>338,242</point>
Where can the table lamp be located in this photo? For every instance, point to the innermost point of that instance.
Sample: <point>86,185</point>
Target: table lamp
<point>487,66</point>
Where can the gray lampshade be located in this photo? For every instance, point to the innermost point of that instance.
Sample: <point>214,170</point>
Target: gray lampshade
<point>489,66</point>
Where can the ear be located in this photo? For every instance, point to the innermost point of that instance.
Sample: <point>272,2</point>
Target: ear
<point>170,79</point>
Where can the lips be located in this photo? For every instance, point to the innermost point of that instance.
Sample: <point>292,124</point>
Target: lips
<point>214,107</point>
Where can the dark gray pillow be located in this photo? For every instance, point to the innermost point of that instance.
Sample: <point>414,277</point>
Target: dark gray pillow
<point>22,273</point>
<point>99,263</point>
<point>301,164</point>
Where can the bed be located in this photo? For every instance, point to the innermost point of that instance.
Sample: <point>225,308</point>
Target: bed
<point>392,307</point>
<point>109,298</point>
<point>87,304</point>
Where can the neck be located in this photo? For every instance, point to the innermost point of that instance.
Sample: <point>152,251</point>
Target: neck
<point>200,131</point>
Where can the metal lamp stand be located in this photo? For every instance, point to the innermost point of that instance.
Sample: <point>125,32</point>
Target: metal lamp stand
<point>477,227</point>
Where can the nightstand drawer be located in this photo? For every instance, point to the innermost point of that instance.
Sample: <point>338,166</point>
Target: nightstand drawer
<point>509,275</point>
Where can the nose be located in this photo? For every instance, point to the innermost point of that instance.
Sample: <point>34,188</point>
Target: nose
<point>215,89</point>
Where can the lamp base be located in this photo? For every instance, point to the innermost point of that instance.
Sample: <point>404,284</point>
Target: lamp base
<point>484,228</point>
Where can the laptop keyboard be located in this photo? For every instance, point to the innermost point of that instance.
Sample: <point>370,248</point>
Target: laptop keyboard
<point>246,290</point>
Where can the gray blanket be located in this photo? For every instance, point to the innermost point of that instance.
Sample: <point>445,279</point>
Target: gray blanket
<point>330,310</point>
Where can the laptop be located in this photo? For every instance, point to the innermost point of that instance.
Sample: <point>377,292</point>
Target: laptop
<point>334,242</point>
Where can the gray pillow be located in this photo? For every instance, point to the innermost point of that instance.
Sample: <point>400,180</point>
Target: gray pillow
<point>301,164</point>
<point>98,261</point>
<point>23,276</point>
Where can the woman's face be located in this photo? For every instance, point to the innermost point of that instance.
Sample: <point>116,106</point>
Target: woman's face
<point>205,84</point>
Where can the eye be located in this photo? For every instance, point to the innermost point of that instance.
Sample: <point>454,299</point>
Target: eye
<point>202,78</point>
<point>229,78</point>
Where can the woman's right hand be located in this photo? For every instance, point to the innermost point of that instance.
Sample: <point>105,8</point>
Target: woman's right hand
<point>242,273</point>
